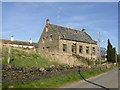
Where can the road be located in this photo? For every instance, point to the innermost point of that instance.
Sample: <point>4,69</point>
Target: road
<point>106,80</point>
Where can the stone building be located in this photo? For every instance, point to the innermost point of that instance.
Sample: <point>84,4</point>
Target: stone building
<point>63,40</point>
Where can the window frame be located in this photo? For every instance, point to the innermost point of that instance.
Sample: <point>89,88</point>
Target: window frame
<point>80,49</point>
<point>87,50</point>
<point>93,50</point>
<point>73,48</point>
<point>64,48</point>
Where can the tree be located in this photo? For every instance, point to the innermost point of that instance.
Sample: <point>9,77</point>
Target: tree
<point>109,47</point>
<point>111,53</point>
<point>113,56</point>
<point>118,59</point>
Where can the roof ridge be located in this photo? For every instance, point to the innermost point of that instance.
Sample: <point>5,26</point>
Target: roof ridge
<point>15,41</point>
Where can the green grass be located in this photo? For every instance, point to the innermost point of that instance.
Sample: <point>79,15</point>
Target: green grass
<point>55,81</point>
<point>25,59</point>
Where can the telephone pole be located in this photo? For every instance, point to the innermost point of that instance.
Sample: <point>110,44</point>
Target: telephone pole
<point>9,47</point>
<point>99,51</point>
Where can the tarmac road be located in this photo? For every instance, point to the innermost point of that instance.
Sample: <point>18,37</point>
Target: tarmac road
<point>106,80</point>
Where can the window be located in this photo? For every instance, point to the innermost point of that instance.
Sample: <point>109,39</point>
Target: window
<point>73,48</point>
<point>48,49</point>
<point>63,36</point>
<point>64,47</point>
<point>51,37</point>
<point>80,49</point>
<point>43,39</point>
<point>93,50</point>
<point>87,50</point>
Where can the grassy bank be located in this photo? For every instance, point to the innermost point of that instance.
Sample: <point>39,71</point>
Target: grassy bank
<point>54,82</point>
<point>25,59</point>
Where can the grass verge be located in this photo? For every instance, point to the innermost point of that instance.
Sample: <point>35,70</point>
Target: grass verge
<point>53,82</point>
<point>26,59</point>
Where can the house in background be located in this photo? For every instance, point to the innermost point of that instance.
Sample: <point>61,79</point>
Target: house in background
<point>63,40</point>
<point>21,44</point>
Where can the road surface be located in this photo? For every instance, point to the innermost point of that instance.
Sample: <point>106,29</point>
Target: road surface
<point>106,80</point>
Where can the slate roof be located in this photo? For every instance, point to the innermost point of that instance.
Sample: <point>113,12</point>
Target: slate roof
<point>71,34</point>
<point>18,42</point>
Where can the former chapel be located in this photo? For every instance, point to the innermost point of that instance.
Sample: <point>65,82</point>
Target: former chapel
<point>59,39</point>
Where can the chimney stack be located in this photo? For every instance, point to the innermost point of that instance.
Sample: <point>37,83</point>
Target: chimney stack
<point>83,30</point>
<point>47,21</point>
<point>30,41</point>
<point>12,38</point>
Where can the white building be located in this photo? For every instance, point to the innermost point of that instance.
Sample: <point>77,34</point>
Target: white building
<point>21,44</point>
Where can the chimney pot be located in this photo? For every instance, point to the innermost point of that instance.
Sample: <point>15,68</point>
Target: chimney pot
<point>30,41</point>
<point>47,21</point>
<point>83,30</point>
<point>12,38</point>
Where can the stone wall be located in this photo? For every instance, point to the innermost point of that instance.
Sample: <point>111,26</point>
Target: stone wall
<point>84,45</point>
<point>18,74</point>
<point>48,40</point>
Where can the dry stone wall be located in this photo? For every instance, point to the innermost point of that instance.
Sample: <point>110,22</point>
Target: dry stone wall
<point>18,74</point>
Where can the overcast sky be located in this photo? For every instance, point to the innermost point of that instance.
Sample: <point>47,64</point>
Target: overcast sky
<point>26,20</point>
